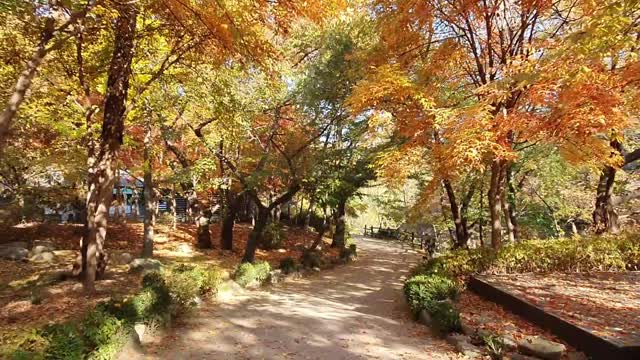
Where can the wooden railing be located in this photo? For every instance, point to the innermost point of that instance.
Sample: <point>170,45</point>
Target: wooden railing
<point>425,242</point>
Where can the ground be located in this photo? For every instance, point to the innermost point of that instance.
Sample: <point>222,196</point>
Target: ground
<point>604,303</point>
<point>21,282</point>
<point>349,312</point>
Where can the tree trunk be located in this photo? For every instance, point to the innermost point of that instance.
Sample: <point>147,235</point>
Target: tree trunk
<point>340,233</point>
<point>461,231</point>
<point>506,209</point>
<point>511,205</point>
<point>204,233</point>
<point>605,218</point>
<point>495,203</point>
<point>228,221</point>
<point>102,178</point>
<point>174,207</point>
<point>149,196</point>
<point>307,219</point>
<point>261,219</point>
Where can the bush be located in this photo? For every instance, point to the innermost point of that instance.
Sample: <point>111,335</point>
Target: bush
<point>311,259</point>
<point>422,291</point>
<point>446,319</point>
<point>57,341</point>
<point>104,333</point>
<point>598,253</point>
<point>288,265</point>
<point>248,273</point>
<point>273,236</point>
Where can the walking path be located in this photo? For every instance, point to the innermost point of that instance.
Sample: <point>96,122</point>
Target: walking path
<point>351,312</point>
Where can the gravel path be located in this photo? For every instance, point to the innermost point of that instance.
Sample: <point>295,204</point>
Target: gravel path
<point>351,312</point>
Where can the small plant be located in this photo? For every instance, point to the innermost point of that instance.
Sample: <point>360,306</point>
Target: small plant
<point>104,333</point>
<point>288,265</point>
<point>248,273</point>
<point>421,290</point>
<point>64,342</point>
<point>446,318</point>
<point>495,346</point>
<point>273,236</point>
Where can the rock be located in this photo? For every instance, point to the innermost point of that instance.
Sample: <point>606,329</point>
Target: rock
<point>122,259</point>
<point>509,342</point>
<point>542,348</point>
<point>140,329</point>
<point>47,256</point>
<point>463,345</point>
<point>516,356</point>
<point>46,243</point>
<point>15,244</point>
<point>467,329</point>
<point>228,289</point>
<point>197,301</point>
<point>425,318</point>
<point>184,248</point>
<point>315,269</point>
<point>276,276</point>
<point>144,265</point>
<point>576,355</point>
<point>39,249</point>
<point>13,253</point>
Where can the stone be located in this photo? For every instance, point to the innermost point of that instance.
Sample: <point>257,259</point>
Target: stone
<point>47,256</point>
<point>140,329</point>
<point>315,269</point>
<point>467,329</point>
<point>144,265</point>
<point>184,248</point>
<point>463,345</point>
<point>576,355</point>
<point>516,356</point>
<point>46,243</point>
<point>125,258</point>
<point>425,318</point>
<point>13,253</point>
<point>39,249</point>
<point>197,301</point>
<point>542,348</point>
<point>15,244</point>
<point>509,342</point>
<point>276,276</point>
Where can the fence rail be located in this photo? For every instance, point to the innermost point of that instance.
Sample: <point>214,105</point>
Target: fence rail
<point>426,243</point>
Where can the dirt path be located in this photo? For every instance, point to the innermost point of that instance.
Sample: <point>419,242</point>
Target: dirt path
<point>350,312</point>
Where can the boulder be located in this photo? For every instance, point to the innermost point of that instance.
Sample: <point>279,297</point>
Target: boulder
<point>15,244</point>
<point>425,318</point>
<point>542,348</point>
<point>516,356</point>
<point>144,265</point>
<point>576,355</point>
<point>44,257</point>
<point>140,329</point>
<point>184,248</point>
<point>463,345</point>
<point>276,276</point>
<point>467,329</point>
<point>123,258</point>
<point>39,249</point>
<point>13,253</point>
<point>509,342</point>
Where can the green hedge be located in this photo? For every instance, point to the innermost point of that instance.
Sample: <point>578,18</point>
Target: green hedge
<point>103,331</point>
<point>434,293</point>
<point>597,253</point>
<point>248,273</point>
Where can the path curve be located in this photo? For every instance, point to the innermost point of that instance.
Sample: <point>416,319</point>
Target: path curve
<point>350,312</point>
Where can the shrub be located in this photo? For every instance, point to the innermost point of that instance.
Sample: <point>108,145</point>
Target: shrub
<point>288,265</point>
<point>598,253</point>
<point>273,236</point>
<point>495,346</point>
<point>65,342</point>
<point>311,259</point>
<point>248,273</point>
<point>423,290</point>
<point>104,333</point>
<point>446,318</point>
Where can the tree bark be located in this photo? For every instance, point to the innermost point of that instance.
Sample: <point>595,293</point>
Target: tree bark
<point>459,220</point>
<point>506,209</point>
<point>204,233</point>
<point>340,234</point>
<point>605,218</point>
<point>228,222</point>
<point>255,237</point>
<point>102,178</point>
<point>495,201</point>
<point>150,200</point>
<point>307,218</point>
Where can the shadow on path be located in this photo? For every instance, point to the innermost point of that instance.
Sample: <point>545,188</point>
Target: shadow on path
<point>351,312</point>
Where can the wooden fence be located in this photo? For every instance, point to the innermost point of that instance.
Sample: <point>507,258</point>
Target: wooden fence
<point>425,242</point>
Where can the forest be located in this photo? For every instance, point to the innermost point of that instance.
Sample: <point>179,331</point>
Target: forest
<point>153,152</point>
